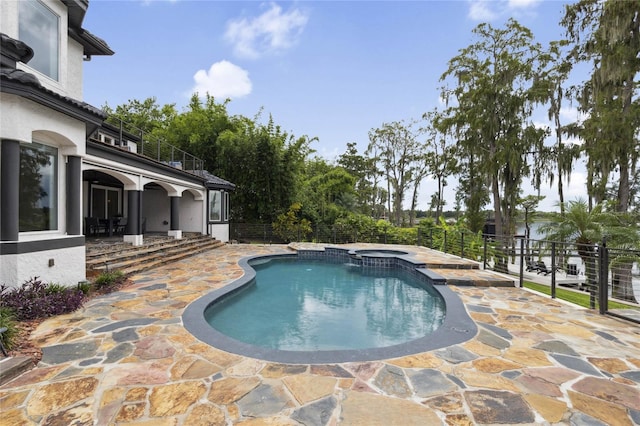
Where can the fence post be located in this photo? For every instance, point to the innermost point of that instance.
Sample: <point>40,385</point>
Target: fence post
<point>418,239</point>
<point>431,238</point>
<point>553,269</point>
<point>299,233</point>
<point>484,256</point>
<point>445,241</point>
<point>462,244</point>
<point>264,233</point>
<point>521,275</point>
<point>603,284</point>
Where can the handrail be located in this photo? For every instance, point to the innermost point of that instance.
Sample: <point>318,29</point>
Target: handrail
<point>156,149</point>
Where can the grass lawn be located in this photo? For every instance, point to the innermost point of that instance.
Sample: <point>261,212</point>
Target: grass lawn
<point>581,299</point>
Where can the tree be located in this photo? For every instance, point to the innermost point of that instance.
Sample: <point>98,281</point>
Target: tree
<point>142,118</point>
<point>265,163</point>
<point>364,170</point>
<point>400,156</point>
<point>198,128</point>
<point>494,99</point>
<point>328,190</point>
<point>558,159</point>
<point>441,159</point>
<point>608,35</point>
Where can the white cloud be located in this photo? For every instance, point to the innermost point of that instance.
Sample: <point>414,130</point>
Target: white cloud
<point>480,10</point>
<point>271,32</point>
<point>522,4</point>
<point>488,10</point>
<point>223,80</point>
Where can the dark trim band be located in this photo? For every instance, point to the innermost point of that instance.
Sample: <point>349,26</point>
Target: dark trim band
<point>23,247</point>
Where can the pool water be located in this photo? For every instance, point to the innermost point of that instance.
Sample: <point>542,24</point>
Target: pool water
<point>307,305</point>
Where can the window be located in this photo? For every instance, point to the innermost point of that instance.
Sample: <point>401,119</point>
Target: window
<point>38,206</point>
<point>39,28</point>
<point>215,206</point>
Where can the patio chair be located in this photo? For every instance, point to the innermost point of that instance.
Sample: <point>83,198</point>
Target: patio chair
<point>542,268</point>
<point>93,226</point>
<point>531,265</point>
<point>121,225</point>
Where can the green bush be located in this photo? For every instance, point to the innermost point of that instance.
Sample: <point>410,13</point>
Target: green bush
<point>290,226</point>
<point>84,287</point>
<point>7,319</point>
<point>107,279</point>
<point>54,288</point>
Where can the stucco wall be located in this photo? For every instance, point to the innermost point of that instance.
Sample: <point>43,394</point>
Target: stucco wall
<point>191,213</point>
<point>219,232</point>
<point>74,70</point>
<point>68,269</point>
<point>20,117</point>
<point>156,208</point>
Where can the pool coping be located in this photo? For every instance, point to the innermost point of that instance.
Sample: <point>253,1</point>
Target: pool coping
<point>457,327</point>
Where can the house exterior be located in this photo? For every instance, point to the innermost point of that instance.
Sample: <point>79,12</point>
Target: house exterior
<point>61,164</point>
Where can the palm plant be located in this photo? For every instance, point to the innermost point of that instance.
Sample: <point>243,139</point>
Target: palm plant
<point>582,227</point>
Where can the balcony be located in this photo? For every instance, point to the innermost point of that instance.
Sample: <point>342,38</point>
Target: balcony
<point>129,138</point>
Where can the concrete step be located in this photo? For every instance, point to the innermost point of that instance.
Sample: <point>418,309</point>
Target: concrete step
<point>151,263</point>
<point>126,249</point>
<point>132,261</point>
<point>120,261</point>
<point>10,368</point>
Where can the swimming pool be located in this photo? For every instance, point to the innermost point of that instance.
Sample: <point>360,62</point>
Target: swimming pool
<point>310,305</point>
<point>309,332</point>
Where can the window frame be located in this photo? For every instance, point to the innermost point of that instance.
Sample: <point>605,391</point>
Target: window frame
<point>54,211</point>
<point>54,71</point>
<point>219,210</point>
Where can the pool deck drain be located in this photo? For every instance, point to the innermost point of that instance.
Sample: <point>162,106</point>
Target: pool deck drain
<point>126,359</point>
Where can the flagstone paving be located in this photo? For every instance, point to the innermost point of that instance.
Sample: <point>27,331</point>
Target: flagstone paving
<point>126,359</point>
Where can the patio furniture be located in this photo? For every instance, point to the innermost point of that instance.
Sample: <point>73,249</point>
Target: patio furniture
<point>542,268</point>
<point>531,265</point>
<point>93,226</point>
<point>121,225</point>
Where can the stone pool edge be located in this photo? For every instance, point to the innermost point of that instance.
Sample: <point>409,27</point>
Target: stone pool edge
<point>457,327</point>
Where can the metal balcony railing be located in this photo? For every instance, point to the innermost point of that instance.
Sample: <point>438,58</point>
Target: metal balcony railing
<point>128,135</point>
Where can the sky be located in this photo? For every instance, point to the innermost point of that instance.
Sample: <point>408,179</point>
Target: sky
<point>331,70</point>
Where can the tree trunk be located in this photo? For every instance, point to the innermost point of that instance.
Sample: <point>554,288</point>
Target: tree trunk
<point>414,201</point>
<point>624,187</point>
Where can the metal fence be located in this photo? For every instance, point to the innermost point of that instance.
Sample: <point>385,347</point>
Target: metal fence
<point>610,276</point>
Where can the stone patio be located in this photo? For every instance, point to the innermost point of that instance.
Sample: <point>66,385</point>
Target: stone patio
<point>126,359</point>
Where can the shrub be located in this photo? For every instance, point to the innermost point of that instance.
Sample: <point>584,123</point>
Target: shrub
<point>290,226</point>
<point>35,299</point>
<point>53,288</point>
<point>7,319</point>
<point>84,287</point>
<point>107,279</point>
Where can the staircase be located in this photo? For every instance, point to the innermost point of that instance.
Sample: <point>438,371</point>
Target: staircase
<point>156,251</point>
